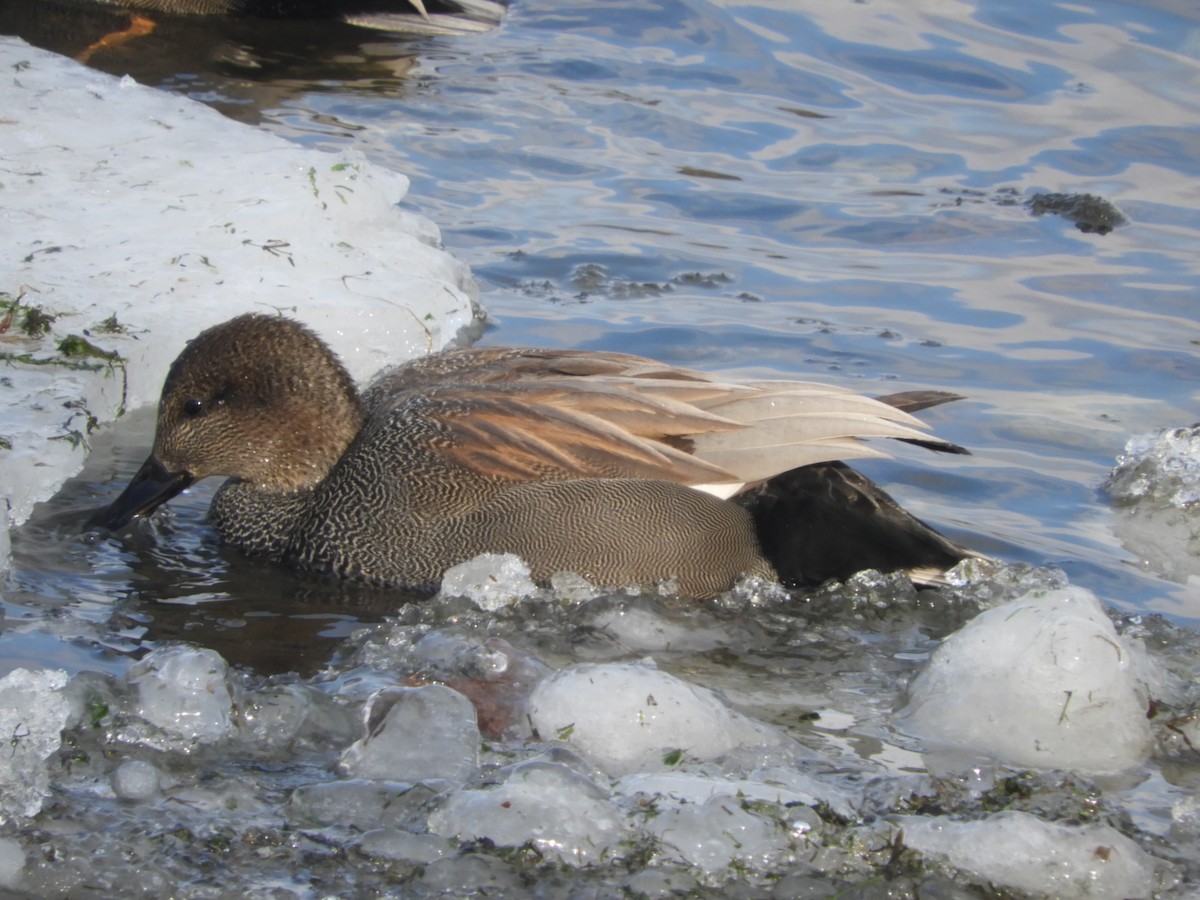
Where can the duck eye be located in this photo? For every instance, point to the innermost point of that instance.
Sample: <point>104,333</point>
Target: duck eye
<point>193,408</point>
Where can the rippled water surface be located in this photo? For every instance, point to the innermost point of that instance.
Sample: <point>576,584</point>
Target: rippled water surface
<point>781,189</point>
<point>802,189</point>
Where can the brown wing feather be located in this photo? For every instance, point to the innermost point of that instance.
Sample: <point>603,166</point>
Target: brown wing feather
<point>528,415</point>
<point>513,436</point>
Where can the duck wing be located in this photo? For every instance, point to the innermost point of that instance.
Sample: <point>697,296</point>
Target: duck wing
<point>532,415</point>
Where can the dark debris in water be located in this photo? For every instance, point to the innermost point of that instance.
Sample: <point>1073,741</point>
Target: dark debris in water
<point>590,281</point>
<point>1091,214</point>
<point>1004,196</point>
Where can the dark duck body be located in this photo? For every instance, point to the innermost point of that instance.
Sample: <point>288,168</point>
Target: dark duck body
<point>611,466</point>
<point>412,16</point>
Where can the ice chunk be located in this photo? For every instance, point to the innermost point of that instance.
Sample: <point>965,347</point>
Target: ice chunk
<point>697,788</point>
<point>495,676</point>
<point>182,690</point>
<point>491,580</point>
<point>236,796</point>
<point>1156,489</point>
<point>573,588</point>
<point>1043,681</point>
<point>630,717</point>
<point>362,804</point>
<point>33,712</point>
<point>403,846</point>
<point>1161,466</point>
<point>474,875</point>
<point>557,810</point>
<point>416,734</point>
<point>136,779</point>
<point>718,833</point>
<point>641,629</point>
<point>1020,851</point>
<point>281,716</point>
<point>12,861</point>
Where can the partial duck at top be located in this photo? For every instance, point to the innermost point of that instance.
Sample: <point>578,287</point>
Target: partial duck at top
<point>616,467</point>
<point>408,16</point>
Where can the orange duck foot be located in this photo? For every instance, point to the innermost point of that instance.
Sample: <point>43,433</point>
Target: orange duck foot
<point>139,26</point>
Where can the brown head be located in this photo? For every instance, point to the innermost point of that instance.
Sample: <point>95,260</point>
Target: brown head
<point>258,398</point>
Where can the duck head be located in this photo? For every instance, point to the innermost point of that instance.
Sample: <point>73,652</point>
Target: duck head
<point>258,398</point>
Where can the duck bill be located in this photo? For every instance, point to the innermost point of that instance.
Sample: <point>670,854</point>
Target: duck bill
<point>150,488</point>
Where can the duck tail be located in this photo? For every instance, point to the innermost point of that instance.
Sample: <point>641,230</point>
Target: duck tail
<point>828,521</point>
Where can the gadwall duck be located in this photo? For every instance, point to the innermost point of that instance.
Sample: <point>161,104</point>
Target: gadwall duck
<point>612,466</point>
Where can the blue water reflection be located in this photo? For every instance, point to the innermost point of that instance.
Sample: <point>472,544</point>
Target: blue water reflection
<point>820,190</point>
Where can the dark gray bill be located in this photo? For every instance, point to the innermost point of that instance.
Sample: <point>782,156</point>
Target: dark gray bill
<point>150,488</point>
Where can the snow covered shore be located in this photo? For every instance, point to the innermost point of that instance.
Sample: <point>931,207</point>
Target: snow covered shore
<point>132,219</point>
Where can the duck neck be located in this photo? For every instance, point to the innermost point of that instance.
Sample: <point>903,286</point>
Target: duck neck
<point>319,428</point>
<point>256,521</point>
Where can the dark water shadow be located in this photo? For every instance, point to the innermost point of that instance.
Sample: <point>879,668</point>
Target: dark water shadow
<point>238,65</point>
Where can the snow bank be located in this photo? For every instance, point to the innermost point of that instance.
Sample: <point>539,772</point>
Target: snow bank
<point>133,219</point>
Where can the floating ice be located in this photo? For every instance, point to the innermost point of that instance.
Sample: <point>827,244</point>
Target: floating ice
<point>718,833</point>
<point>714,823</point>
<point>416,734</point>
<point>470,876</point>
<point>1161,466</point>
<point>770,786</point>
<point>136,779</point>
<point>495,676</point>
<point>630,717</point>
<point>1043,681</point>
<point>283,716</point>
<point>1156,489</point>
<point>362,804</point>
<point>203,218</point>
<point>491,580</point>
<point>641,629</point>
<point>1020,851</point>
<point>32,715</point>
<point>12,861</point>
<point>557,810</point>
<point>182,691</point>
<point>403,846</point>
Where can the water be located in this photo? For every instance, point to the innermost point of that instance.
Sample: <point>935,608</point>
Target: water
<point>827,191</point>
<point>764,190</point>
